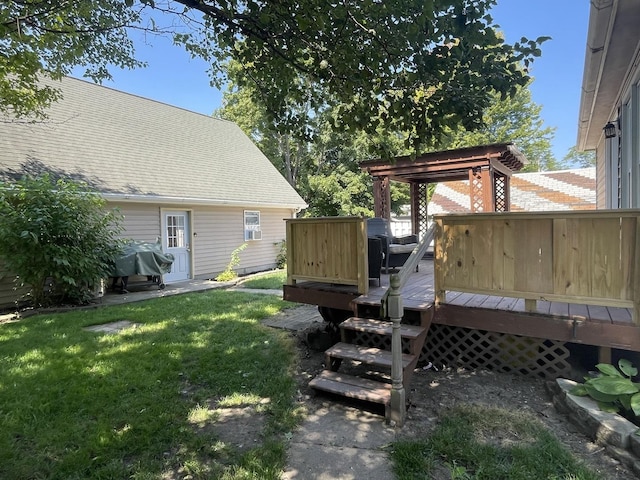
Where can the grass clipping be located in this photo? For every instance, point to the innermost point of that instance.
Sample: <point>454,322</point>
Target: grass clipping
<point>476,442</point>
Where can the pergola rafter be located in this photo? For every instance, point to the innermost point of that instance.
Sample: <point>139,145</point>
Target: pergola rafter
<point>488,169</point>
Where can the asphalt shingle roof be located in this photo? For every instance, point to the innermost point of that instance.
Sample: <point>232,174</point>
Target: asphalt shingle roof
<point>128,145</point>
<point>536,191</point>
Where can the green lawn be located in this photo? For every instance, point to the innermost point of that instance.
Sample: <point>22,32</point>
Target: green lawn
<point>81,405</point>
<point>271,280</point>
<point>482,443</point>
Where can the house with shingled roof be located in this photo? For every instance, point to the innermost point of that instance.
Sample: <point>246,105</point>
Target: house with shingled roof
<point>609,122</point>
<point>196,182</point>
<point>530,192</point>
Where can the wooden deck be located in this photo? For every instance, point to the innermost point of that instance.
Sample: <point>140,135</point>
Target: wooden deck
<point>587,324</point>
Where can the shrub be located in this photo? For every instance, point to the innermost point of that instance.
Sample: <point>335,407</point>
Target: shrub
<point>57,237</point>
<point>281,257</point>
<point>613,389</point>
<point>229,273</point>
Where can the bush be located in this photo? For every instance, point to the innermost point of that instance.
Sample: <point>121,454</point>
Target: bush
<point>614,389</point>
<point>281,257</point>
<point>229,273</point>
<point>57,237</point>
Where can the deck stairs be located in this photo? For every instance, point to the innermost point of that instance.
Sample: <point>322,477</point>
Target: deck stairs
<point>358,367</point>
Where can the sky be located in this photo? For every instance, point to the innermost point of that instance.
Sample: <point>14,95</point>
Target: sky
<point>174,78</point>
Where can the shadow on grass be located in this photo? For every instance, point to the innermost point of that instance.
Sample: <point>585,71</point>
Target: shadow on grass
<point>80,404</point>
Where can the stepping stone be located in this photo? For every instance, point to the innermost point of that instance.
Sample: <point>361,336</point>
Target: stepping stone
<point>113,327</point>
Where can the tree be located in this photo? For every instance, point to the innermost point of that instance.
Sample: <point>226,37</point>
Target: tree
<point>49,38</point>
<point>287,153</point>
<point>57,237</point>
<point>516,120</point>
<point>416,66</point>
<point>580,159</point>
<point>324,165</point>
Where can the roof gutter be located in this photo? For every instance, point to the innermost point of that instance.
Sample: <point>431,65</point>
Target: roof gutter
<point>601,19</point>
<point>136,198</point>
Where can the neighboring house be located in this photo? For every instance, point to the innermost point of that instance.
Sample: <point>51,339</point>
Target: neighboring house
<point>611,98</point>
<point>536,191</point>
<point>196,182</point>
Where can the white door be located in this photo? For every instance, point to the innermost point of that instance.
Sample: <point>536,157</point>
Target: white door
<point>177,242</point>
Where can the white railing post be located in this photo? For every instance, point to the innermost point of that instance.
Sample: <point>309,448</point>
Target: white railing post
<point>395,311</point>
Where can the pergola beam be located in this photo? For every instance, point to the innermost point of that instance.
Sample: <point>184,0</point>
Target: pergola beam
<point>488,169</point>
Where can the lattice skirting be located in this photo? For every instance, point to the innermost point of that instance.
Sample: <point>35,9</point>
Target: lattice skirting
<point>472,349</point>
<point>461,347</point>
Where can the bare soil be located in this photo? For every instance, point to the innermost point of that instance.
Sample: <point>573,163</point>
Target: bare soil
<point>433,391</point>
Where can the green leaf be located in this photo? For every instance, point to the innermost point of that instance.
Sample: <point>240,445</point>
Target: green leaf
<point>625,401</point>
<point>608,369</point>
<point>635,404</point>
<point>627,368</point>
<point>608,407</point>
<point>579,390</point>
<point>599,396</point>
<point>613,385</point>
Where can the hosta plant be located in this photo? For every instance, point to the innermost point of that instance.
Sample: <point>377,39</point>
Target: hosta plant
<point>613,388</point>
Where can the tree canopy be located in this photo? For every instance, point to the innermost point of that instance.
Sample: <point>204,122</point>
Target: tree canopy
<point>580,159</point>
<point>416,66</point>
<point>514,119</point>
<point>324,170</point>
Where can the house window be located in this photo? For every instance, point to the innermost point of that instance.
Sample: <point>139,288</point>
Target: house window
<point>252,229</point>
<point>175,231</point>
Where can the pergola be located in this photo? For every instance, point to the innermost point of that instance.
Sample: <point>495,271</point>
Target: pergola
<point>488,169</point>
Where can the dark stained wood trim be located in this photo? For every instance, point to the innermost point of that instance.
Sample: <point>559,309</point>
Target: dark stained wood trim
<point>593,325</point>
<point>323,298</point>
<point>626,337</point>
<point>512,157</point>
<point>499,167</point>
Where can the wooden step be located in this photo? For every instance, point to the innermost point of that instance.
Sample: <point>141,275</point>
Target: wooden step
<point>367,355</point>
<point>352,387</point>
<point>381,327</point>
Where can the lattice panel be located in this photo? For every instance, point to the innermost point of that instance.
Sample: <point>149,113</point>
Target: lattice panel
<point>472,349</point>
<point>477,195</point>
<point>383,196</point>
<point>422,208</point>
<point>500,193</point>
<point>461,347</point>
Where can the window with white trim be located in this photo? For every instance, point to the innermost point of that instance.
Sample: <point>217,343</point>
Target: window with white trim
<point>252,230</point>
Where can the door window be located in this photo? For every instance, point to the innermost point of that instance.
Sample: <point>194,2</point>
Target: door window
<point>175,231</point>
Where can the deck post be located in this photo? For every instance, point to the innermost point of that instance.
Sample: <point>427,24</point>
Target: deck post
<point>395,311</point>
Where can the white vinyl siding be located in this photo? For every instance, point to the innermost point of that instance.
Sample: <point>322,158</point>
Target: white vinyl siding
<point>221,230</point>
<point>141,221</point>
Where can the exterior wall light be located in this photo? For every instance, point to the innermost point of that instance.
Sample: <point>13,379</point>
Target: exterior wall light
<point>609,130</point>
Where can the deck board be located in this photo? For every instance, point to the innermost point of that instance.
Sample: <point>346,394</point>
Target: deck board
<point>419,290</point>
<point>597,325</point>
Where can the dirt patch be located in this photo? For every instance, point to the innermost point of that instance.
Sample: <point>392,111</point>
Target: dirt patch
<point>432,392</point>
<point>241,427</point>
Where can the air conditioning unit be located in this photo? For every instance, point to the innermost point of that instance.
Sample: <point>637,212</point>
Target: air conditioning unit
<point>253,235</point>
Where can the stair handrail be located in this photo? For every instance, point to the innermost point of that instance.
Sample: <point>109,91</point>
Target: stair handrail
<point>393,308</point>
<point>410,265</point>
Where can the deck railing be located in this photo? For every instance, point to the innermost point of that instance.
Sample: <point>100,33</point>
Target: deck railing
<point>588,257</point>
<point>393,308</point>
<point>329,250</point>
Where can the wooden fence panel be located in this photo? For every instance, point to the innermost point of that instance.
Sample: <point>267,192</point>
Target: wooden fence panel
<point>328,249</point>
<point>575,257</point>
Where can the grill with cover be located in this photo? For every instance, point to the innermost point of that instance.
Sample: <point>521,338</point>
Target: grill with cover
<point>144,259</point>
